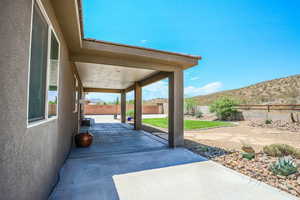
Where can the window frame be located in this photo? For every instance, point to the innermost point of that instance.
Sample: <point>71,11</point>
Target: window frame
<point>50,30</point>
<point>76,94</point>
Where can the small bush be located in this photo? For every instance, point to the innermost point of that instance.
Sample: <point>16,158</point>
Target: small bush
<point>198,114</point>
<point>284,166</point>
<point>279,150</point>
<point>224,108</point>
<point>248,156</point>
<point>130,113</point>
<point>268,121</point>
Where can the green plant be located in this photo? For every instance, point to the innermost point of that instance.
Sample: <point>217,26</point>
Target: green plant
<point>198,114</point>
<point>190,105</point>
<point>130,102</point>
<point>284,166</point>
<point>248,156</point>
<point>52,102</point>
<point>279,150</point>
<point>117,102</point>
<point>130,113</point>
<point>224,107</point>
<point>268,121</point>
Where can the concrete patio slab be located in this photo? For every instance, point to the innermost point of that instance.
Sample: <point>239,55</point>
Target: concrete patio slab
<point>126,164</point>
<point>201,180</point>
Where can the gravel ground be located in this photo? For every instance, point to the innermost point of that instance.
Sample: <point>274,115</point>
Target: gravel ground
<point>280,125</point>
<point>256,168</point>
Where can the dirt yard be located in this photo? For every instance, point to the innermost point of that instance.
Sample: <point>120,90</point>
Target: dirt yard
<point>233,137</point>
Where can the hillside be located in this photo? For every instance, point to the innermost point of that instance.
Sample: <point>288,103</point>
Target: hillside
<point>277,91</point>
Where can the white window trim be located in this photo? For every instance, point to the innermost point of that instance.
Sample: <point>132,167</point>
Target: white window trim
<point>76,97</point>
<point>50,30</point>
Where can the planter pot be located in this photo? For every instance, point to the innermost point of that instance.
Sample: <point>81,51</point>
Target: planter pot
<point>83,139</point>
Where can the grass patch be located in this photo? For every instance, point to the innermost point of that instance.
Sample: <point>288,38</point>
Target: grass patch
<point>188,124</point>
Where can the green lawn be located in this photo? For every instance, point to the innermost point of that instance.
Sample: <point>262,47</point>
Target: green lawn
<point>188,124</point>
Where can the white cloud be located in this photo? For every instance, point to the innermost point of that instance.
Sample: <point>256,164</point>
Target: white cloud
<point>160,90</point>
<point>194,78</point>
<point>206,89</point>
<point>143,41</point>
<point>107,97</point>
<point>156,90</point>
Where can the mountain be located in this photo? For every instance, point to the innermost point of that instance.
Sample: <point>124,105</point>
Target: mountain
<point>277,91</point>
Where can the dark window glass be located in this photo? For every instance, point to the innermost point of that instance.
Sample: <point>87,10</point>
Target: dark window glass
<point>38,66</point>
<point>53,77</point>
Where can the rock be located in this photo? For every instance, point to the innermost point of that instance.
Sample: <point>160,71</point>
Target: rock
<point>283,187</point>
<point>298,180</point>
<point>292,176</point>
<point>281,177</point>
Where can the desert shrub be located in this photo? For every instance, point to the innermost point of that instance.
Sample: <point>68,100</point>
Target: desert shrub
<point>224,107</point>
<point>249,152</point>
<point>198,114</point>
<point>268,121</point>
<point>248,156</point>
<point>284,166</point>
<point>279,150</point>
<point>130,113</point>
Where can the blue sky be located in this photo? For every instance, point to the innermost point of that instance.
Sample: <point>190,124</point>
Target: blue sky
<point>242,42</point>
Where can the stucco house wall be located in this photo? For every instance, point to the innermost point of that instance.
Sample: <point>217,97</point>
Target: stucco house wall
<point>30,158</point>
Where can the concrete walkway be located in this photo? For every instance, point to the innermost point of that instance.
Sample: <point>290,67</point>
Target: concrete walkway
<point>135,165</point>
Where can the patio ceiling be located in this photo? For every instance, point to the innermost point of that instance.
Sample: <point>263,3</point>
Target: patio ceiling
<point>110,76</point>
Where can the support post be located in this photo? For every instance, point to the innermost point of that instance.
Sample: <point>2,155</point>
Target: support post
<point>123,107</point>
<point>176,137</point>
<point>137,106</point>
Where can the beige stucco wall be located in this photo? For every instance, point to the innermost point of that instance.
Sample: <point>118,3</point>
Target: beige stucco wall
<point>30,158</point>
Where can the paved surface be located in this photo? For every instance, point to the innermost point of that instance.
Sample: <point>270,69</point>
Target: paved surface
<point>135,165</point>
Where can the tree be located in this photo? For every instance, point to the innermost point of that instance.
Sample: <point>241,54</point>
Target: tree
<point>190,105</point>
<point>224,107</point>
<point>117,101</point>
<point>130,102</point>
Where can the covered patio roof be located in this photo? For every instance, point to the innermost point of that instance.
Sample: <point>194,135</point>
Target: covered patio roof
<point>106,65</point>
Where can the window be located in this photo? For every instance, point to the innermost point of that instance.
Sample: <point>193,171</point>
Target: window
<point>44,67</point>
<point>53,77</point>
<point>38,66</point>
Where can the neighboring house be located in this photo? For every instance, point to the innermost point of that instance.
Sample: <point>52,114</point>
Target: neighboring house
<point>46,65</point>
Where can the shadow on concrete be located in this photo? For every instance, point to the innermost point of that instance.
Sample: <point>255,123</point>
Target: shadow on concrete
<point>117,149</point>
